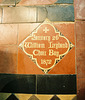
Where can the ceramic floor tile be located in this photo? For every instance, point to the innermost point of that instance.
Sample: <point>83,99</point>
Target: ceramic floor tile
<point>27,55</point>
<point>34,2</point>
<point>8,59</point>
<point>80,34</point>
<point>56,84</point>
<point>81,89</point>
<point>23,96</point>
<point>13,83</point>
<point>26,65</point>
<point>15,14</point>
<point>33,97</point>
<point>25,30</point>
<point>80,61</point>
<point>4,96</point>
<point>79,9</point>
<point>8,34</point>
<point>55,98</point>
<point>12,97</point>
<point>44,97</point>
<point>67,97</point>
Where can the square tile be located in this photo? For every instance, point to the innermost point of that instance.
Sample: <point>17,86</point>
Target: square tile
<point>8,34</point>
<point>27,66</point>
<point>8,59</point>
<point>79,9</point>
<point>56,84</point>
<point>80,34</point>
<point>13,83</point>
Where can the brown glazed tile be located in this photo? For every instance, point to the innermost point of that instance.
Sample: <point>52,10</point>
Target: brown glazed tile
<point>79,6</point>
<point>8,34</point>
<point>66,65</point>
<point>8,59</point>
<point>19,14</point>
<point>67,29</point>
<point>25,30</point>
<point>34,2</point>
<point>80,57</point>
<point>81,89</point>
<point>26,65</point>
<point>80,34</point>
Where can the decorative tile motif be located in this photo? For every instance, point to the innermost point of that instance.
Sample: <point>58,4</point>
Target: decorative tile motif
<point>55,98</point>
<point>4,96</point>
<point>46,46</point>
<point>38,97</point>
<point>12,97</point>
<point>33,97</point>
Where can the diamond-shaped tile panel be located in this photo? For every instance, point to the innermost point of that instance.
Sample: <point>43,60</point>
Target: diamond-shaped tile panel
<point>12,97</point>
<point>55,98</point>
<point>33,97</point>
<point>46,46</point>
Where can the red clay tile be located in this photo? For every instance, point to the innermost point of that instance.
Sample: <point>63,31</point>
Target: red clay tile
<point>8,59</point>
<point>35,2</point>
<point>68,60</point>
<point>80,34</point>
<point>80,57</point>
<point>66,65</point>
<point>67,29</point>
<point>26,65</point>
<point>81,89</point>
<point>79,6</point>
<point>25,30</point>
<point>8,34</point>
<point>19,14</point>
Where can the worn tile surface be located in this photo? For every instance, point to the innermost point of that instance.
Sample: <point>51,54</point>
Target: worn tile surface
<point>80,57</point>
<point>8,59</point>
<point>34,2</point>
<point>79,9</point>
<point>17,83</point>
<point>19,14</point>
<point>64,1</point>
<point>56,84</point>
<point>60,13</point>
<point>81,89</point>
<point>7,2</point>
<point>80,34</point>
<point>8,34</point>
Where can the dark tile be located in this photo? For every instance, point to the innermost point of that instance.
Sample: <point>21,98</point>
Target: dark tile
<point>12,97</point>
<point>56,84</point>
<point>60,13</point>
<point>17,83</point>
<point>64,1</point>
<point>55,98</point>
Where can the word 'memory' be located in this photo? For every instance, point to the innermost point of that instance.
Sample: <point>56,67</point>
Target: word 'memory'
<point>33,45</point>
